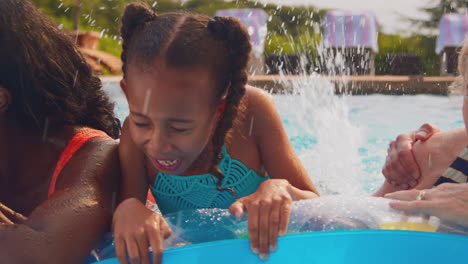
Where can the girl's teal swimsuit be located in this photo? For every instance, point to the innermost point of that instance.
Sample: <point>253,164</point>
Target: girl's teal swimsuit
<point>175,193</point>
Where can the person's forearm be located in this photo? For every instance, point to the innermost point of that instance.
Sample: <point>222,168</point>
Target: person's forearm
<point>298,194</point>
<point>22,244</point>
<point>385,188</point>
<point>435,155</point>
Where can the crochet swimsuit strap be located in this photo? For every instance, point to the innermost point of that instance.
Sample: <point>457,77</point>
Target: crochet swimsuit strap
<point>174,193</point>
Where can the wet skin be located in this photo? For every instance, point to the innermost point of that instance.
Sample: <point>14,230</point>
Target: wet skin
<point>63,228</point>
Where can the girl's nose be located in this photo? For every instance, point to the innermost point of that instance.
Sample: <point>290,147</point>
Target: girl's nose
<point>159,142</point>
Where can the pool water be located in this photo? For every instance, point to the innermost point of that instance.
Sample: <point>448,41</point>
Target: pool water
<point>342,140</point>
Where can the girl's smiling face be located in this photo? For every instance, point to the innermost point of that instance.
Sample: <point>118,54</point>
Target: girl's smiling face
<point>172,116</point>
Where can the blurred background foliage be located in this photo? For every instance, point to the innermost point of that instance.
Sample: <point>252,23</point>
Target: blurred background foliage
<point>291,29</point>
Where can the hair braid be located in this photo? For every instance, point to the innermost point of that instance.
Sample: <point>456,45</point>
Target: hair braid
<point>135,16</point>
<point>238,45</point>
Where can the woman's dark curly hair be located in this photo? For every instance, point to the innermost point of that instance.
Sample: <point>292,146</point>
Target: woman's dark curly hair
<point>48,78</point>
<point>221,45</point>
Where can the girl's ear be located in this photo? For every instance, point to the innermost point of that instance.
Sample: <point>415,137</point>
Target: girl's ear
<point>5,99</point>
<point>123,85</point>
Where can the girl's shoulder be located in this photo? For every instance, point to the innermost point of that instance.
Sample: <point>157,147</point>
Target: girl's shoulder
<point>242,144</point>
<point>259,106</point>
<point>257,103</point>
<point>256,95</point>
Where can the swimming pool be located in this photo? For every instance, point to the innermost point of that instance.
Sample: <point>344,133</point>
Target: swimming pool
<point>342,140</point>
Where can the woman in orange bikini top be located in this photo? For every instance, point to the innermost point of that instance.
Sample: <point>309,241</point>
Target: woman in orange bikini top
<point>58,159</point>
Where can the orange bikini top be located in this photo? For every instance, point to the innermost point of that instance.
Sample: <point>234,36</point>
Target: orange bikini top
<point>73,146</point>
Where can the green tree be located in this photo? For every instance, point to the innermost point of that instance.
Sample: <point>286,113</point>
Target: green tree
<point>438,8</point>
<point>285,24</point>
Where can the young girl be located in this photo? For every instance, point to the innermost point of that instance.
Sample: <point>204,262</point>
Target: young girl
<point>197,135</point>
<point>58,167</point>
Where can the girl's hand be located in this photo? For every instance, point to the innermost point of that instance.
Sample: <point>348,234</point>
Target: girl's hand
<point>268,210</point>
<point>401,169</point>
<point>135,229</point>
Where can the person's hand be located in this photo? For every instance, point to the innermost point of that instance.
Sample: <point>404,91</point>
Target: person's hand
<point>8,216</point>
<point>268,210</point>
<point>135,229</point>
<point>401,169</point>
<point>448,201</point>
<point>4,219</point>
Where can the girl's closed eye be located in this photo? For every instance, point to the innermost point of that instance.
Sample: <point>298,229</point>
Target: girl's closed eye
<point>139,124</point>
<point>140,120</point>
<point>180,129</point>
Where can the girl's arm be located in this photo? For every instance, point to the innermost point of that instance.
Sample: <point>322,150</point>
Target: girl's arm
<point>276,152</point>
<point>269,207</point>
<point>136,227</point>
<point>134,181</point>
<point>65,227</point>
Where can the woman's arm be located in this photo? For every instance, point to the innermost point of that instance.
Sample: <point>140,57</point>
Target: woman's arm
<point>8,216</point>
<point>64,228</point>
<point>432,157</point>
<point>435,155</point>
<point>400,168</point>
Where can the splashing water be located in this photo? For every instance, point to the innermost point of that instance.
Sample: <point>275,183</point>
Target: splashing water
<point>327,143</point>
<point>318,124</point>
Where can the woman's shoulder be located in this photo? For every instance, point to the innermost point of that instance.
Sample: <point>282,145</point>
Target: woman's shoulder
<point>94,144</point>
<point>89,154</point>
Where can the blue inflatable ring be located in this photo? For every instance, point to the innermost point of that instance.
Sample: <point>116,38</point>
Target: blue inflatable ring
<point>361,246</point>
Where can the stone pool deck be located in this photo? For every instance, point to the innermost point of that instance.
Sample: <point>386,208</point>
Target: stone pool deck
<point>381,84</point>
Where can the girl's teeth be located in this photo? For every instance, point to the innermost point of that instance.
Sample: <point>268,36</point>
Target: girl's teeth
<point>167,162</point>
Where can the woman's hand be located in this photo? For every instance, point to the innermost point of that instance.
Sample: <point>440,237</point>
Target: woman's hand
<point>268,210</point>
<point>135,229</point>
<point>8,216</point>
<point>401,169</point>
<point>448,201</point>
